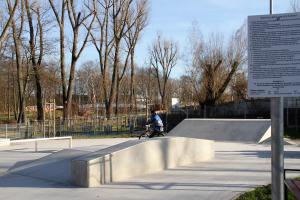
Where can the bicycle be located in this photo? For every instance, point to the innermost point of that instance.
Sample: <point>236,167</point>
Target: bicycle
<point>148,132</point>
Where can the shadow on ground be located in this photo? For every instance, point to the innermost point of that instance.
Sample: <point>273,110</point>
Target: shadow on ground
<point>263,154</point>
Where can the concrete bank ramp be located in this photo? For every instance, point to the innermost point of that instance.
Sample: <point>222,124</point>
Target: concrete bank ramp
<point>241,130</point>
<point>138,157</point>
<point>54,167</point>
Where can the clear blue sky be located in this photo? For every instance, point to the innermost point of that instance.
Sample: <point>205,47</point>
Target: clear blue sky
<point>173,19</point>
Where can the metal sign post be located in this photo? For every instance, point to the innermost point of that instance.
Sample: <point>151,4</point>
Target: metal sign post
<point>274,72</point>
<point>277,162</point>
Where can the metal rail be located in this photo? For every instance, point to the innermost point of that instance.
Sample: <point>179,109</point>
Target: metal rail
<point>36,140</point>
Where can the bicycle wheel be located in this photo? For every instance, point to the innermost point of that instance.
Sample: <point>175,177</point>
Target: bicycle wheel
<point>161,134</point>
<point>145,134</point>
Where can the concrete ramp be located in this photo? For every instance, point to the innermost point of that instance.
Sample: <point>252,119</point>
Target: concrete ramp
<point>139,157</point>
<point>55,167</point>
<point>242,130</point>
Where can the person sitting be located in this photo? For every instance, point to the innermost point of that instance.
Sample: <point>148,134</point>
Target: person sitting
<point>157,124</point>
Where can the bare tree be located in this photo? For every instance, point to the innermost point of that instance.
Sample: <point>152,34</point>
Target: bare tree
<point>186,92</point>
<point>89,83</point>
<point>163,58</point>
<point>115,18</point>
<point>131,39</point>
<point>120,14</point>
<point>212,67</point>
<point>22,72</point>
<point>36,54</point>
<point>239,86</point>
<point>60,19</point>
<point>51,79</point>
<point>78,20</point>
<point>103,43</point>
<point>294,5</point>
<point>12,10</point>
<point>136,22</point>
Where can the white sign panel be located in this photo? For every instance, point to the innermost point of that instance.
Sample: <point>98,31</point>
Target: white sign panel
<point>274,55</point>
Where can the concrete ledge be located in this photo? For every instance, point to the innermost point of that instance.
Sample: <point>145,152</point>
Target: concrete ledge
<point>4,142</point>
<point>136,157</point>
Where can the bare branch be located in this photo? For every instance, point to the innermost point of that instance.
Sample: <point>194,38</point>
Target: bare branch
<point>163,57</point>
<point>7,24</point>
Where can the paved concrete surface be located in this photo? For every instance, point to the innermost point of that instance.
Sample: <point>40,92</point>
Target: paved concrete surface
<point>14,156</point>
<point>242,130</point>
<point>237,167</point>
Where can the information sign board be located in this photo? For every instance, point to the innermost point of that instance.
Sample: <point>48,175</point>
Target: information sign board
<point>274,55</point>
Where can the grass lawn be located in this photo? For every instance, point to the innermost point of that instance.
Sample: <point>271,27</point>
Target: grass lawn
<point>262,193</point>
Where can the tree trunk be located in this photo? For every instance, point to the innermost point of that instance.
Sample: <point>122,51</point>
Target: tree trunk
<point>39,94</point>
<point>63,71</point>
<point>68,98</point>
<point>112,96</point>
<point>20,76</point>
<point>117,98</point>
<point>61,23</point>
<point>8,93</point>
<point>104,87</point>
<point>70,90</point>
<point>132,83</point>
<point>36,65</point>
<point>10,19</point>
<point>15,103</point>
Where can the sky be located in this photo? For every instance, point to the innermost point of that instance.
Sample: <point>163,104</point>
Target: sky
<point>173,19</point>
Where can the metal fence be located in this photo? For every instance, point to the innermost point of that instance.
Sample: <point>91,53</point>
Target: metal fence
<point>74,127</point>
<point>77,127</point>
<point>13,131</point>
<point>249,109</point>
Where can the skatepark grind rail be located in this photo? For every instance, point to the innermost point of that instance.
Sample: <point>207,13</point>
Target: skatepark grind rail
<point>36,140</point>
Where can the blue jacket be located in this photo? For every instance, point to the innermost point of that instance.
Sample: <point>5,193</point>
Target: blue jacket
<point>157,123</point>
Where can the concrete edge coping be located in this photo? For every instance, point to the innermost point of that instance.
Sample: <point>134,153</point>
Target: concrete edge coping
<point>218,119</point>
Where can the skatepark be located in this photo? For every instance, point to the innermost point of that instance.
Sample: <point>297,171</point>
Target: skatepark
<point>198,159</point>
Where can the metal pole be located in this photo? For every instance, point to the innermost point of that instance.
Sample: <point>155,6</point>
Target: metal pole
<point>5,131</point>
<point>54,125</point>
<point>277,148</point>
<point>277,162</point>
<point>36,146</point>
<point>70,143</point>
<point>287,113</point>
<point>296,116</point>
<point>44,107</point>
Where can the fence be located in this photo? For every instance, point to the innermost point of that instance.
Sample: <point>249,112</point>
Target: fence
<point>249,109</point>
<point>74,127</point>
<point>259,108</point>
<point>14,131</point>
